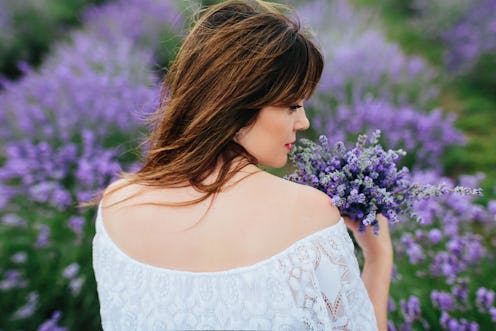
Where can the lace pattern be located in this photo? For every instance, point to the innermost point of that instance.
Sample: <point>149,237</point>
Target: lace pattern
<point>312,285</point>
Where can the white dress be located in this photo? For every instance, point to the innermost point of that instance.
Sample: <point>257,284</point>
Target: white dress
<point>314,284</point>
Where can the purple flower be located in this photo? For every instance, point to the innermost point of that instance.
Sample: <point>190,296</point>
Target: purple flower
<point>443,300</point>
<point>471,37</point>
<point>491,206</point>
<point>364,181</point>
<point>411,309</point>
<point>51,324</point>
<point>448,323</point>
<point>424,135</point>
<point>460,290</point>
<point>435,236</point>
<point>43,234</point>
<point>76,224</point>
<point>71,270</point>
<point>485,299</point>
<point>28,309</point>
<point>75,285</point>
<point>492,312</point>
<point>19,257</point>
<point>12,279</point>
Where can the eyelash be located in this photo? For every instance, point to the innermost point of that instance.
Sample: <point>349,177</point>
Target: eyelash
<point>295,107</point>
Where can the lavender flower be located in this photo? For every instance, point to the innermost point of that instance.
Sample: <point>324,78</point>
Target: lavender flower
<point>355,48</point>
<point>423,135</point>
<point>71,270</point>
<point>12,279</point>
<point>43,236</point>
<point>411,310</point>
<point>75,285</point>
<point>19,257</point>
<point>434,17</point>
<point>363,181</point>
<point>472,36</point>
<point>28,309</point>
<point>51,324</point>
<point>485,299</point>
<point>460,290</point>
<point>442,300</point>
<point>492,312</point>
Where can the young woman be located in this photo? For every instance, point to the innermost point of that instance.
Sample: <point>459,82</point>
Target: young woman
<point>200,238</point>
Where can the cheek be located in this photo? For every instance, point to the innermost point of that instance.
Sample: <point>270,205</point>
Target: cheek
<point>276,123</point>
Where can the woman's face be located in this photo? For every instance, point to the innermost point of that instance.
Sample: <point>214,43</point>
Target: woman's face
<point>273,134</point>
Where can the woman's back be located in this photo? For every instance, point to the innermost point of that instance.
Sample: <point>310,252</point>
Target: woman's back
<point>250,221</point>
<point>269,254</point>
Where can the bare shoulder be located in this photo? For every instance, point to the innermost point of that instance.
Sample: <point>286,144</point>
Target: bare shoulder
<point>315,208</point>
<point>120,191</point>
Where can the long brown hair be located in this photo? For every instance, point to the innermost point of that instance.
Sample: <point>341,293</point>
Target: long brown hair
<point>239,57</point>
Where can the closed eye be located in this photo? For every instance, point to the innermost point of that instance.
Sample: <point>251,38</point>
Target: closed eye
<point>295,107</point>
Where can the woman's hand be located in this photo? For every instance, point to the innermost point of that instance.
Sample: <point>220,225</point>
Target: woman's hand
<point>378,265</point>
<point>373,246</point>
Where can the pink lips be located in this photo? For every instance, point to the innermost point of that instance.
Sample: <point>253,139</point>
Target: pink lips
<point>289,146</point>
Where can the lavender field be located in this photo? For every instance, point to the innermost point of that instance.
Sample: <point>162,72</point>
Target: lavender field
<point>69,124</point>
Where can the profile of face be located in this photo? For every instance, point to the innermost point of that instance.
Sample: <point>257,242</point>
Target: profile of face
<point>270,138</point>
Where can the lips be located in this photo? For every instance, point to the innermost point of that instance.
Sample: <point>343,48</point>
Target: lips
<point>289,146</point>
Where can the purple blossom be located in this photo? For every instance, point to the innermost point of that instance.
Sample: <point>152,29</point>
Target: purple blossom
<point>460,290</point>
<point>58,120</point>
<point>485,299</point>
<point>361,92</point>
<point>492,312</point>
<point>51,324</point>
<point>364,181</point>
<point>120,19</point>
<point>12,279</point>
<point>355,48</point>
<point>435,236</point>
<point>28,309</point>
<point>410,309</point>
<point>391,305</point>
<point>443,300</point>
<point>71,270</point>
<point>75,285</point>
<point>19,257</point>
<point>435,17</point>
<point>391,326</point>
<point>43,236</point>
<point>448,323</point>
<point>424,135</point>
<point>471,37</point>
<point>76,224</point>
<point>491,206</point>
<point>13,220</point>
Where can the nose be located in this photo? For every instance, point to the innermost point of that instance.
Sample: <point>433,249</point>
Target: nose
<point>302,122</point>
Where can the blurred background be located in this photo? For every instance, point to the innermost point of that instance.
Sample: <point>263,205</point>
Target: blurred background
<point>77,77</point>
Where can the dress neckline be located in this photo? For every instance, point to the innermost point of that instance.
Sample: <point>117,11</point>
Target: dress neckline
<point>339,226</point>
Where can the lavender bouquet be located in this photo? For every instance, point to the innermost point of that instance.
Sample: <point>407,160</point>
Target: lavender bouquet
<point>365,180</point>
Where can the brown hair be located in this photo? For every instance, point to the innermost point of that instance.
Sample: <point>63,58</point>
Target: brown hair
<point>239,57</point>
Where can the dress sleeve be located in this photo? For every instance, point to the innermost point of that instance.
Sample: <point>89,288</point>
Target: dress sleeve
<point>337,275</point>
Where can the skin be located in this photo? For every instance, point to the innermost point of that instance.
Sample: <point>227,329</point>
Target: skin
<point>378,265</point>
<point>269,138</point>
<point>194,238</point>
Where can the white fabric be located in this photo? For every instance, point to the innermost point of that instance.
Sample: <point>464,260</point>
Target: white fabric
<point>312,285</point>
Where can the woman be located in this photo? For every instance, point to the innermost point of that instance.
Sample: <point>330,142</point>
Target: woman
<point>200,238</point>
